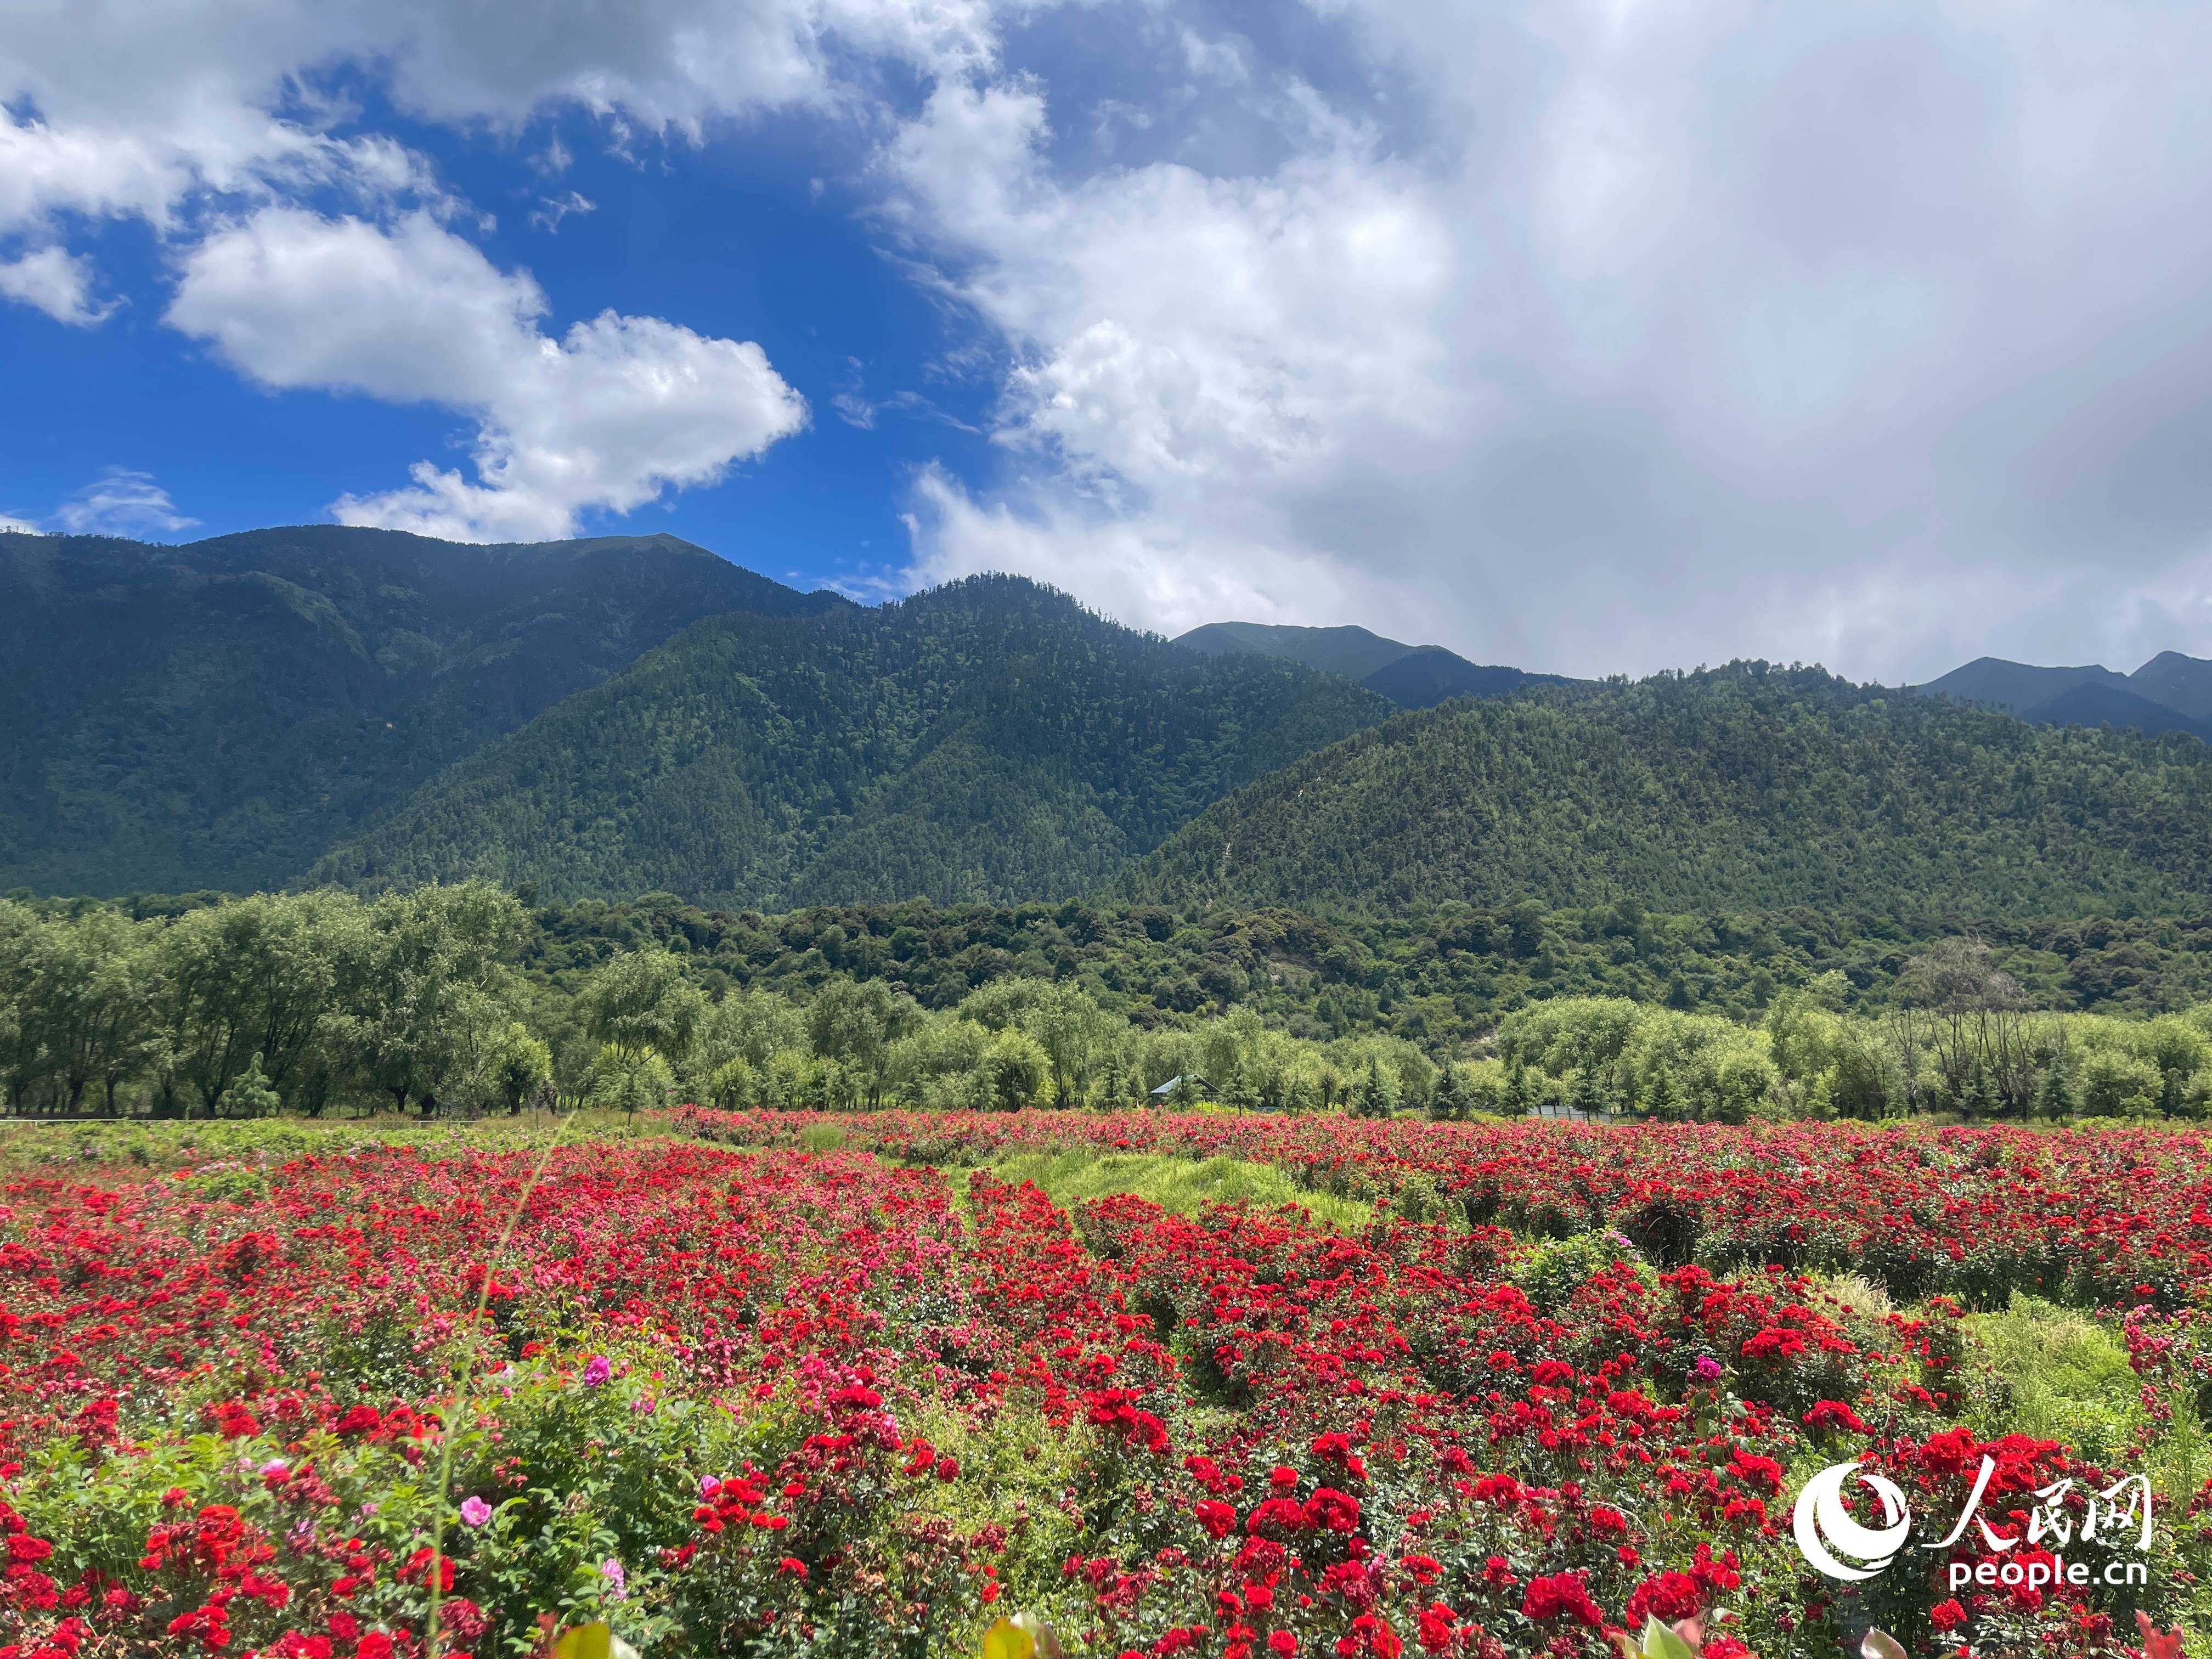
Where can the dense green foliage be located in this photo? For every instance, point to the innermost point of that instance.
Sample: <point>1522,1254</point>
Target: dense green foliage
<point>1746,787</point>
<point>1443,977</point>
<point>458,996</point>
<point>216,714</point>
<point>1439,979</point>
<point>989,739</point>
<point>307,1002</point>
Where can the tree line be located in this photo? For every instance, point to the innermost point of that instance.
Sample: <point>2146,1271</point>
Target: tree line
<point>418,1002</point>
<point>1962,1038</point>
<point>461,998</point>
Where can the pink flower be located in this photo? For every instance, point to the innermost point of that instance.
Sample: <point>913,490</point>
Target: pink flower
<point>475,1511</point>
<point>598,1371</point>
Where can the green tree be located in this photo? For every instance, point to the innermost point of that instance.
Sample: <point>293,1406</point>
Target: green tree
<point>256,979</point>
<point>438,991</point>
<point>1013,1070</point>
<point>519,1066</point>
<point>733,1085</point>
<point>1587,1096</point>
<point>1979,1097</point>
<point>629,1080</point>
<point>249,1094</point>
<point>1068,1027</point>
<point>643,1002</point>
<point>2056,1097</point>
<point>1519,1098</point>
<point>856,1023</point>
<point>1453,1098</point>
<point>1375,1091</point>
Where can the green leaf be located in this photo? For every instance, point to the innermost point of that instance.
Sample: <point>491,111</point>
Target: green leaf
<point>1659,1643</point>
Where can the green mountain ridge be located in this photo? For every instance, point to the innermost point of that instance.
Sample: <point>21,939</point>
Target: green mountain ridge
<point>214,714</point>
<point>1746,787</point>
<point>1410,676</point>
<point>986,740</point>
<point>2170,693</point>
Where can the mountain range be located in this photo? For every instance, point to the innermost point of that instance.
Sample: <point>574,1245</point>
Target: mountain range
<point>216,714</point>
<point>2169,693</point>
<point>1410,676</point>
<point>986,740</point>
<point>1746,787</point>
<point>603,717</point>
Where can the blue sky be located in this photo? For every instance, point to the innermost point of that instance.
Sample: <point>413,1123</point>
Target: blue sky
<point>1591,337</point>
<point>757,234</point>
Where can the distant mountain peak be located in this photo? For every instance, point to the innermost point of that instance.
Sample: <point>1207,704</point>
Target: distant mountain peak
<point>1347,649</point>
<point>1411,676</point>
<point>2171,692</point>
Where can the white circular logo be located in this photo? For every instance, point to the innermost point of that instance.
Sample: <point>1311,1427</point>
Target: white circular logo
<point>1824,1528</point>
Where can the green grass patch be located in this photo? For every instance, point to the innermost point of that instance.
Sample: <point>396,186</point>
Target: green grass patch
<point>2060,1374</point>
<point>1183,1185</point>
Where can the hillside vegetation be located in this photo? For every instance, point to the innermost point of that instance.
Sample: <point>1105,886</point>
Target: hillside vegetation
<point>459,996</point>
<point>218,715</point>
<point>989,739</point>
<point>1746,787</point>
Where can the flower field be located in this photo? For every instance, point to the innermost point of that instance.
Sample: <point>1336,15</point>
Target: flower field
<point>755,1384</point>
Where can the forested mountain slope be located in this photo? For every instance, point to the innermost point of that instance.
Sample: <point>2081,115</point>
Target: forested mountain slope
<point>216,714</point>
<point>989,739</point>
<point>1743,787</point>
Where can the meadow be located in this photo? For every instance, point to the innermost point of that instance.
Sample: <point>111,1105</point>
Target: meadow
<point>1227,1385</point>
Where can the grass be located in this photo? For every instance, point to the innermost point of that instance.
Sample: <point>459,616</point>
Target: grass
<point>2056,1373</point>
<point>1180,1184</point>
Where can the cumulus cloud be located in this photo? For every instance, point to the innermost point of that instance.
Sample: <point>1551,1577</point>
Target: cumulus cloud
<point>135,106</point>
<point>1590,336</point>
<point>168,114</point>
<point>56,282</point>
<point>607,416</point>
<point>122,501</point>
<point>1610,337</point>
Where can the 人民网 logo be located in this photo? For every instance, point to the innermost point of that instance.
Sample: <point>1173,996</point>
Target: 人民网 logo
<point>1840,1545</point>
<point>1824,1526</point>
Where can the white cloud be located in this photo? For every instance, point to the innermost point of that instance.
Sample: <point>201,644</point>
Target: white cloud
<point>1144,568</point>
<point>1609,337</point>
<point>122,502</point>
<point>606,416</point>
<point>56,282</point>
<point>170,113</point>
<point>135,106</point>
<point>1591,336</point>
<point>552,209</point>
<point>18,526</point>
